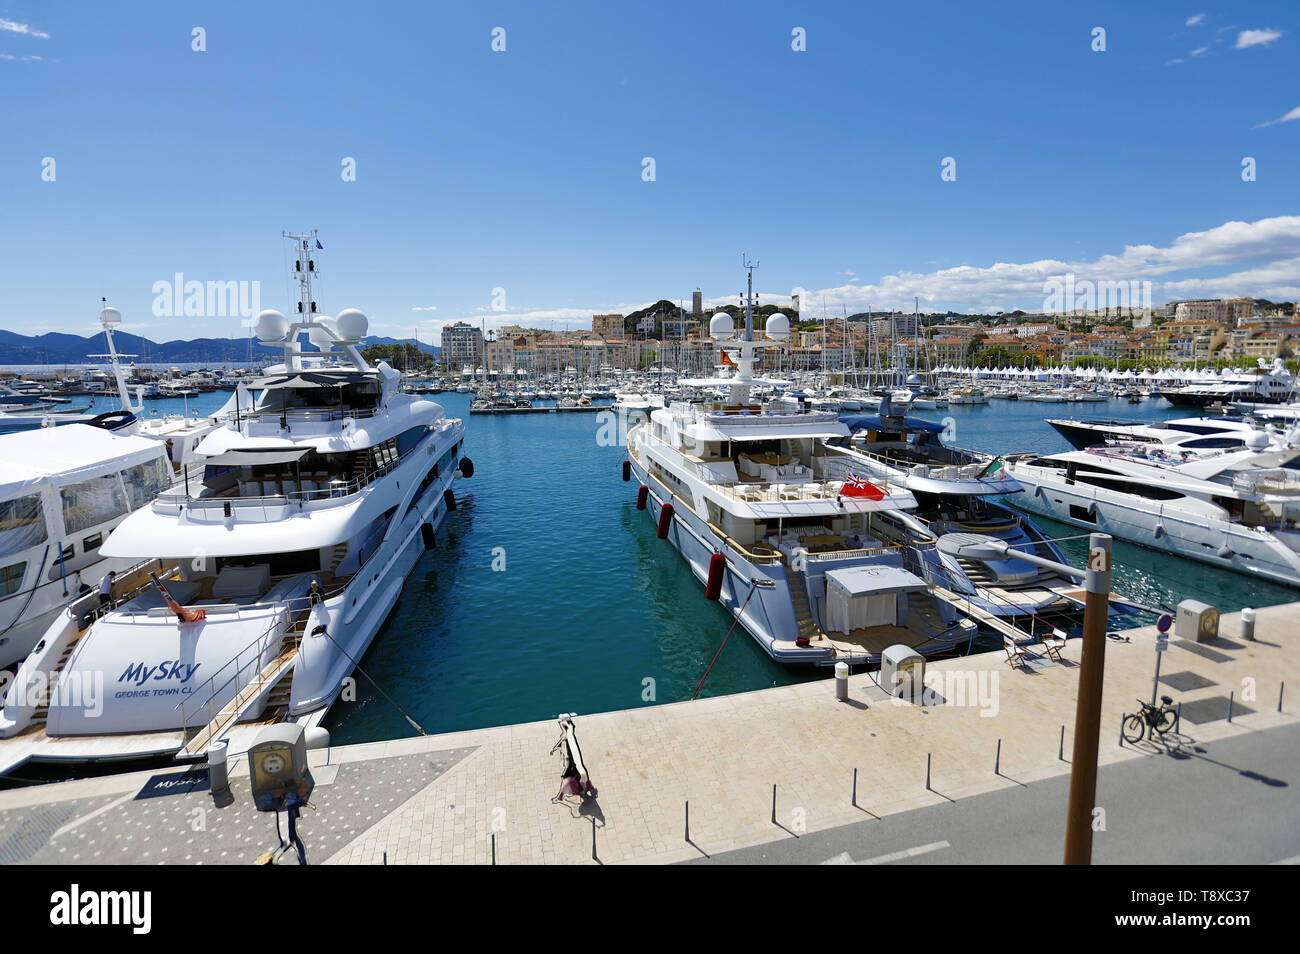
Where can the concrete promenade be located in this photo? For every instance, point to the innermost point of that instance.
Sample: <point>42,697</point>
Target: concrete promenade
<point>438,799</point>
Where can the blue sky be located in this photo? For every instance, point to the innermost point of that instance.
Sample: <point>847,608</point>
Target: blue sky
<point>523,169</point>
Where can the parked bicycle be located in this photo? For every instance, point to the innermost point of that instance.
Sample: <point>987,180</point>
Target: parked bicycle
<point>1157,720</point>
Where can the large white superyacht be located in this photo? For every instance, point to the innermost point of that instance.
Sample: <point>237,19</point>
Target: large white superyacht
<point>778,524</point>
<point>261,578</point>
<point>1235,509</point>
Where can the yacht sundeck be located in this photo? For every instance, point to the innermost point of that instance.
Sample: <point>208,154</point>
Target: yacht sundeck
<point>258,581</point>
<point>779,524</point>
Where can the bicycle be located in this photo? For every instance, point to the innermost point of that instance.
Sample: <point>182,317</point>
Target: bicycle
<point>1158,719</point>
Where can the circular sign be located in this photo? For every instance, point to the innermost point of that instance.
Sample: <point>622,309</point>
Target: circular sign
<point>1164,622</point>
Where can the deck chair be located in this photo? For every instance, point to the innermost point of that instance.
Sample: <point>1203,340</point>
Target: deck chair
<point>1053,644</point>
<point>1016,655</point>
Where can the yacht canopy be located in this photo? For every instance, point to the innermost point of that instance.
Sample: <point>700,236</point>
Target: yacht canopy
<point>861,580</point>
<point>872,422</point>
<point>66,454</point>
<point>314,379</point>
<point>253,456</point>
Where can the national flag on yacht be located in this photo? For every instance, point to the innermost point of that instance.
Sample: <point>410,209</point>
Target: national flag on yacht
<point>996,468</point>
<point>728,362</point>
<point>319,245</point>
<point>183,614</point>
<point>856,485</point>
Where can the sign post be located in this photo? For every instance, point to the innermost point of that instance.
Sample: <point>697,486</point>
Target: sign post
<point>1162,643</point>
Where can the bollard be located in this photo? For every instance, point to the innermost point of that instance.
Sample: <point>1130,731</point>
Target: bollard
<point>1230,698</point>
<point>773,803</point>
<point>842,681</point>
<point>1248,624</point>
<point>997,760</point>
<point>854,800</point>
<point>927,771</point>
<point>217,769</point>
<point>1060,752</point>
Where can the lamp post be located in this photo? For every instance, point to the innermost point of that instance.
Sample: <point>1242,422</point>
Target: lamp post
<point>1092,666</point>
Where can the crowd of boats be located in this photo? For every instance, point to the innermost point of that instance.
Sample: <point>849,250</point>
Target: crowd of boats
<point>255,552</point>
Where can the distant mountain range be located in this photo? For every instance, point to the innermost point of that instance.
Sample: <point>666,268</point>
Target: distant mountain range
<point>54,348</point>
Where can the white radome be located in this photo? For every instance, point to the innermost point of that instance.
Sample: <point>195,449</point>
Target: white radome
<point>271,325</point>
<point>721,326</point>
<point>110,318</point>
<point>319,333</point>
<point>351,324</point>
<point>778,327</point>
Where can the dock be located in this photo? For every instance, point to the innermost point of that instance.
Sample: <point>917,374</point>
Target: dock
<point>756,768</point>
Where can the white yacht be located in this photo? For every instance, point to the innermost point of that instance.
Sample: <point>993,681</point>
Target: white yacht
<point>62,491</point>
<point>779,525</point>
<point>1236,509</point>
<point>1186,436</point>
<point>262,577</point>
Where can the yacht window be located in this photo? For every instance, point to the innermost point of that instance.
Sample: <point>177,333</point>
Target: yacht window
<point>1149,491</point>
<point>22,524</point>
<point>408,439</point>
<point>89,503</point>
<point>92,542</point>
<point>1214,442</point>
<point>11,578</point>
<point>146,481</point>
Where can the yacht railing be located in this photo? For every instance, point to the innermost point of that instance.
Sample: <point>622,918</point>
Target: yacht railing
<point>256,649</point>
<point>284,621</point>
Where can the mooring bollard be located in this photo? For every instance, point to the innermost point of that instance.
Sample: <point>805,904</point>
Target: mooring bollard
<point>1248,624</point>
<point>842,681</point>
<point>218,776</point>
<point>997,760</point>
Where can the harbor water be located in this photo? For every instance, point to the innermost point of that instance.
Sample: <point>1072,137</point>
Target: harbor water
<point>549,592</point>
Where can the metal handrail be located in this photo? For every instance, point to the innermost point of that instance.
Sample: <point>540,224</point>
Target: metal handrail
<point>290,607</point>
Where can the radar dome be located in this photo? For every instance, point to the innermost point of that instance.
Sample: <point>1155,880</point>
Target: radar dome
<point>351,324</point>
<point>110,318</point>
<point>271,325</point>
<point>778,327</point>
<point>1257,441</point>
<point>721,326</point>
<point>319,333</point>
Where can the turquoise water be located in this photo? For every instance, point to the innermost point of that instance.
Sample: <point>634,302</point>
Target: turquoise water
<point>592,612</point>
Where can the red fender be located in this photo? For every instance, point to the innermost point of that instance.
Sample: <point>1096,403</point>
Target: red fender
<point>665,520</point>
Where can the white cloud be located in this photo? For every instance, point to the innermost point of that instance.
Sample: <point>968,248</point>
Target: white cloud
<point>1249,38</point>
<point>1173,61</point>
<point>1196,20</point>
<point>1266,252</point>
<point>10,26</point>
<point>22,59</point>
<point>424,308</point>
<point>1294,114</point>
<point>1200,50</point>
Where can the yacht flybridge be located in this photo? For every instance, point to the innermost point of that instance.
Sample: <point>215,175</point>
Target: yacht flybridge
<point>259,578</point>
<point>779,522</point>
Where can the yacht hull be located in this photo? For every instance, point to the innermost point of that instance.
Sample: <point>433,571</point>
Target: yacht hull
<point>1151,525</point>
